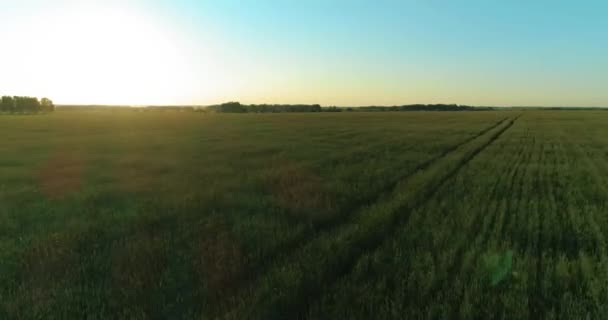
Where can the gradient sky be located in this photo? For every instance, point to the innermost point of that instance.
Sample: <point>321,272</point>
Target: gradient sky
<point>350,52</point>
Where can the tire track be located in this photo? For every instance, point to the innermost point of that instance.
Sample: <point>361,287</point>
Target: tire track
<point>511,205</point>
<point>343,216</point>
<point>472,236</point>
<point>288,291</point>
<point>515,238</point>
<point>444,180</point>
<point>281,253</point>
<point>516,172</point>
<point>480,238</point>
<point>278,253</point>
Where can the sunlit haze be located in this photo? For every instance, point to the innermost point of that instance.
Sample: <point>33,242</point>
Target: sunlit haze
<point>550,53</point>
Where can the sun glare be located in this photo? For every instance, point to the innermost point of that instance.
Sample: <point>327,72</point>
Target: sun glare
<point>101,55</point>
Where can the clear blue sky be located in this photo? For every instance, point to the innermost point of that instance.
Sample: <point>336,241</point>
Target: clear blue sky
<point>332,52</point>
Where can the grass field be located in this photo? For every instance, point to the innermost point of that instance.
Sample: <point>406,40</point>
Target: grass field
<point>180,215</point>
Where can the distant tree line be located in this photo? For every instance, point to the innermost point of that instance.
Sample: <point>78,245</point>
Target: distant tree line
<point>424,107</point>
<point>168,108</point>
<point>19,104</point>
<point>236,107</point>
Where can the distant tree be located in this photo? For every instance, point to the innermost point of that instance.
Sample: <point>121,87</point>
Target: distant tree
<point>231,107</point>
<point>22,104</point>
<point>7,104</point>
<point>27,104</point>
<point>46,105</point>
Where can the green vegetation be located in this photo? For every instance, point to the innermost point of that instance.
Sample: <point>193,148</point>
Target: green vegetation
<point>181,215</point>
<point>19,104</point>
<point>236,107</point>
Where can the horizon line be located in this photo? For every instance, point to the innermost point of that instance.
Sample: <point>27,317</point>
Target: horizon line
<point>326,106</point>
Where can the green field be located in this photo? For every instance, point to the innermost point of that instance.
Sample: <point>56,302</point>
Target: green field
<point>119,214</point>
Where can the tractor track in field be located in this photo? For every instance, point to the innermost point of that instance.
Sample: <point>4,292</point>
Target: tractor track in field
<point>425,198</point>
<point>480,240</point>
<point>510,177</point>
<point>278,256</point>
<point>384,192</point>
<point>486,224</point>
<point>519,239</point>
<point>477,220</point>
<point>511,206</point>
<point>299,311</point>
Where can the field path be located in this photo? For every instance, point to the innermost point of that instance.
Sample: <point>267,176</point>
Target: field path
<point>360,203</point>
<point>290,285</point>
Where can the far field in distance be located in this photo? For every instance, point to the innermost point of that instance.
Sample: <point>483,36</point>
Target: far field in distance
<point>322,215</point>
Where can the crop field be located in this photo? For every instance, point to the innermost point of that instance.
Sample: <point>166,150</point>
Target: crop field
<point>119,214</point>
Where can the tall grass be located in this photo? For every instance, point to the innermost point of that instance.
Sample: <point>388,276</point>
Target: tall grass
<point>122,214</point>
